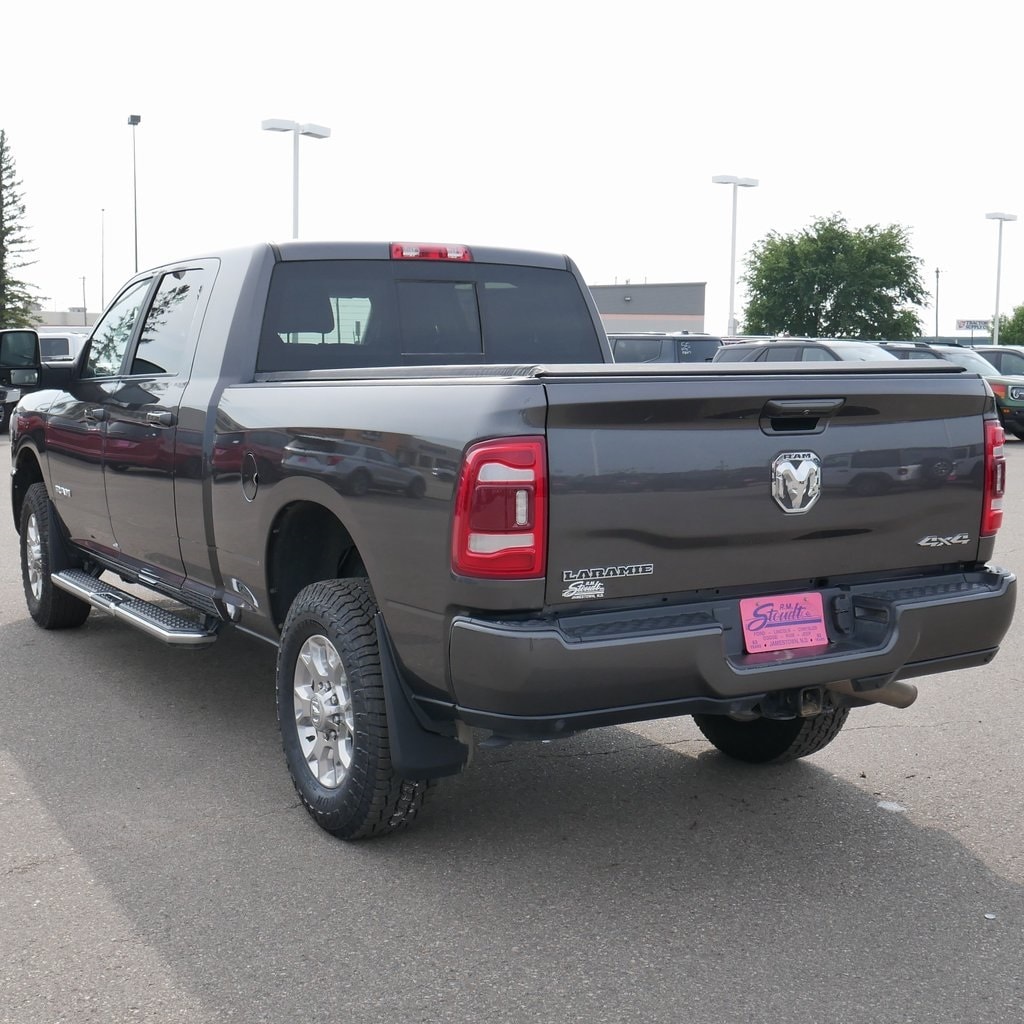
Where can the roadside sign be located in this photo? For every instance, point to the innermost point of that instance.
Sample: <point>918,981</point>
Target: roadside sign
<point>973,325</point>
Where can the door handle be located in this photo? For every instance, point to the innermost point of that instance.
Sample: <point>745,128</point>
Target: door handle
<point>162,419</point>
<point>97,414</point>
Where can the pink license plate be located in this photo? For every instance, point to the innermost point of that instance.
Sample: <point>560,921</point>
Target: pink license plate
<point>782,623</point>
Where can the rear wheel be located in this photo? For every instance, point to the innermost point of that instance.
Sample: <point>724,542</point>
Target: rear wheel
<point>774,740</point>
<point>5,417</point>
<point>330,708</point>
<point>51,607</point>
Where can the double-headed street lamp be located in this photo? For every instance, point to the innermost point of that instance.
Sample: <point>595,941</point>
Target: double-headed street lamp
<point>314,131</point>
<point>999,267</point>
<point>737,183</point>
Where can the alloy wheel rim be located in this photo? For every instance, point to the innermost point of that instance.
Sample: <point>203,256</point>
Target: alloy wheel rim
<point>34,557</point>
<point>324,719</point>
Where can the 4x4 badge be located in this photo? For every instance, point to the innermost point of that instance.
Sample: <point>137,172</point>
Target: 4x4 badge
<point>796,481</point>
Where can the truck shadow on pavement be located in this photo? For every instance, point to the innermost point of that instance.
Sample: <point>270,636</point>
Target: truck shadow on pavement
<point>623,874</point>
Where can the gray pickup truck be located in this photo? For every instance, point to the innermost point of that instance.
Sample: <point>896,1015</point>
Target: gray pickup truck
<point>416,471</point>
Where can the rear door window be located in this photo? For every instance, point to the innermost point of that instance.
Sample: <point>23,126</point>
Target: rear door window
<point>1008,362</point>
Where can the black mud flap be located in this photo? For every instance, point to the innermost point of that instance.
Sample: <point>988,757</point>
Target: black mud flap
<point>418,749</point>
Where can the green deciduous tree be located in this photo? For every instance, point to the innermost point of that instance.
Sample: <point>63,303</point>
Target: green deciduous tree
<point>830,281</point>
<point>16,298</point>
<point>1011,328</point>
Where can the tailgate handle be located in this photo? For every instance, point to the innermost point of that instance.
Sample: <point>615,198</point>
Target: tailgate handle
<point>803,406</point>
<point>798,415</point>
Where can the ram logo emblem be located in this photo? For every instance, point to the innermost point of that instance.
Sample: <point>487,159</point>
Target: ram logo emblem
<point>796,481</point>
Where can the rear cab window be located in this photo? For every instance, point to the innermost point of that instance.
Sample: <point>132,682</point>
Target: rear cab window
<point>333,314</point>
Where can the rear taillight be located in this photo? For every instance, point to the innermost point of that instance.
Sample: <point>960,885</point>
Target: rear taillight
<point>995,478</point>
<point>500,527</point>
<point>430,251</point>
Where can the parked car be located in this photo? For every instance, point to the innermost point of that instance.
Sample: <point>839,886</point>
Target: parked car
<point>655,347</point>
<point>358,468</point>
<point>60,347</point>
<point>880,470</point>
<point>1008,359</point>
<point>1008,388</point>
<point>801,350</point>
<point>1001,366</point>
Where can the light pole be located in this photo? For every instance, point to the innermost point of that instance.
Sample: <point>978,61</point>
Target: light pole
<point>314,131</point>
<point>937,272</point>
<point>133,120</point>
<point>103,258</point>
<point>999,266</point>
<point>737,183</point>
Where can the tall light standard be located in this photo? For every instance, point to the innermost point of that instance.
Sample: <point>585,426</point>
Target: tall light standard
<point>737,183</point>
<point>999,266</point>
<point>133,120</point>
<point>314,131</point>
<point>937,272</point>
<point>103,258</point>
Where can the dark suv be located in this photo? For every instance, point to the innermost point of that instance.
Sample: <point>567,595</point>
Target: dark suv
<point>801,350</point>
<point>663,348</point>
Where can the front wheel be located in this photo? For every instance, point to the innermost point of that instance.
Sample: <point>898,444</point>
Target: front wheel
<point>51,607</point>
<point>764,740</point>
<point>330,708</point>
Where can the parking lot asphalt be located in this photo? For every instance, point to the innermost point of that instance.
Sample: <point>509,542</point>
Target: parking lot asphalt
<point>155,864</point>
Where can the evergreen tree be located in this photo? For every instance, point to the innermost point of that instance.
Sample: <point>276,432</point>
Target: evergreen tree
<point>16,298</point>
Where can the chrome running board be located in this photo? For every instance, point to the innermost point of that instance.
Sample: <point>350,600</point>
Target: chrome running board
<point>168,626</point>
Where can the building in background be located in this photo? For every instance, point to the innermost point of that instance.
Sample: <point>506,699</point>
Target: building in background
<point>631,308</point>
<point>75,318</point>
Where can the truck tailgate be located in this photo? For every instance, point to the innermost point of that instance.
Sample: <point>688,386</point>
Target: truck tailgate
<point>668,483</point>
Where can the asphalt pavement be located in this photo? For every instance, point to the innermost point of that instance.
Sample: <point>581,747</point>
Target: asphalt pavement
<point>155,864</point>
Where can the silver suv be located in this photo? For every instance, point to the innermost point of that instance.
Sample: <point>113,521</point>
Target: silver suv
<point>801,350</point>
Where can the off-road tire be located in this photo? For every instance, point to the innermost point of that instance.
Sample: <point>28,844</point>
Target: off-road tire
<point>770,740</point>
<point>368,797</point>
<point>51,607</point>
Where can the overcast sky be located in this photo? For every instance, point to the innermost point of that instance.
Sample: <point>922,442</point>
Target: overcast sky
<point>590,129</point>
